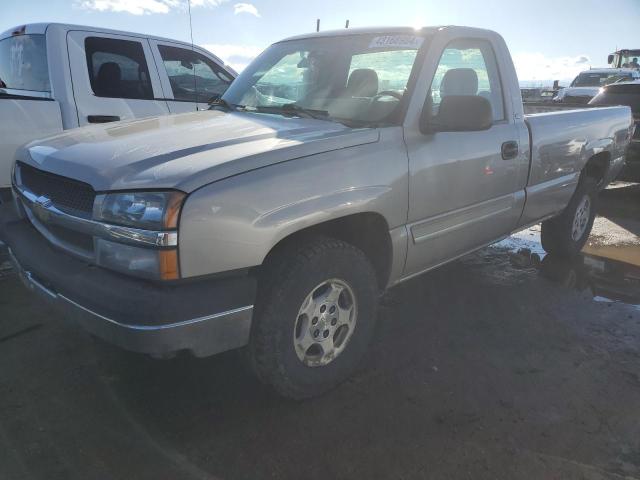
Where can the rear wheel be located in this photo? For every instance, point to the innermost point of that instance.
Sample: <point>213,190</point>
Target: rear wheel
<point>315,317</point>
<point>567,233</point>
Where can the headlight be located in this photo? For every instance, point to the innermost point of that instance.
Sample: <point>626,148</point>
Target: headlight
<point>144,210</point>
<point>136,252</point>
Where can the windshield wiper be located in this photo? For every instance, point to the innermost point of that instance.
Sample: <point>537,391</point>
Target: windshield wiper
<point>221,102</point>
<point>294,109</point>
<point>310,112</point>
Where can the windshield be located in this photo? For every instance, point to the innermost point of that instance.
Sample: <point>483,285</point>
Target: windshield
<point>23,63</point>
<point>628,95</point>
<point>593,79</point>
<point>629,60</point>
<point>359,78</point>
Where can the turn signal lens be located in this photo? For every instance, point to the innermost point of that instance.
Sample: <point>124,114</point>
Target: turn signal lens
<point>172,212</point>
<point>169,269</point>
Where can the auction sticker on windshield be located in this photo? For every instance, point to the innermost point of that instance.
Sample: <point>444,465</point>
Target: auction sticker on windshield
<point>396,41</point>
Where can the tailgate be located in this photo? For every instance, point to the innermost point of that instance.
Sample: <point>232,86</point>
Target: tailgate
<point>21,121</point>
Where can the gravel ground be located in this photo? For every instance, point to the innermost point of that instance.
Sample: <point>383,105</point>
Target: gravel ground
<point>500,365</point>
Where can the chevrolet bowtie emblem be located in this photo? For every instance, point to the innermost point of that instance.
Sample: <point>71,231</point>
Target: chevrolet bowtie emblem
<point>44,202</point>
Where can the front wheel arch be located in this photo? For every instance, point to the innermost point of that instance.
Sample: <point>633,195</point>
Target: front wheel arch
<point>367,231</point>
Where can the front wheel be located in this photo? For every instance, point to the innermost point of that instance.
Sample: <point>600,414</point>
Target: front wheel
<point>567,233</point>
<point>315,317</point>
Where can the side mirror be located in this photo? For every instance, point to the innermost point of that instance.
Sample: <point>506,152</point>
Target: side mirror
<point>610,59</point>
<point>458,113</point>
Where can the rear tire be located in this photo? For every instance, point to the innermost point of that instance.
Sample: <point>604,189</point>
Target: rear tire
<point>567,233</point>
<point>315,317</point>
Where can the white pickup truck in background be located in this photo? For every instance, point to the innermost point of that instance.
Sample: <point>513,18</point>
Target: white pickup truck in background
<point>56,77</point>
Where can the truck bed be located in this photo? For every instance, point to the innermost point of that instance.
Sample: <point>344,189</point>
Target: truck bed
<point>544,107</point>
<point>562,140</point>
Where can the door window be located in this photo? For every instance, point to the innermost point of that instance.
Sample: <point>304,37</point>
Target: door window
<point>193,77</point>
<point>468,67</point>
<point>118,68</point>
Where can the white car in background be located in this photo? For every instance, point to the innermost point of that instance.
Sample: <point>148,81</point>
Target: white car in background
<point>588,83</point>
<point>55,77</point>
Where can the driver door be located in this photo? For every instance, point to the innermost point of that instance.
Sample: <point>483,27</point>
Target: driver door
<point>464,191</point>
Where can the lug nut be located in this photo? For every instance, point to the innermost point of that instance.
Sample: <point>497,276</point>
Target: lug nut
<point>325,334</point>
<point>323,308</point>
<point>315,320</point>
<point>334,321</point>
<point>316,333</point>
<point>332,309</point>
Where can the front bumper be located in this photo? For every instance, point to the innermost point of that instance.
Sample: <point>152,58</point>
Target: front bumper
<point>204,317</point>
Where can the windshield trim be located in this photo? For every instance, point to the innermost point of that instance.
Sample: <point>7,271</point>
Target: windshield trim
<point>399,116</point>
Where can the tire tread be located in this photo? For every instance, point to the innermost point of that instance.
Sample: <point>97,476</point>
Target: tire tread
<point>264,342</point>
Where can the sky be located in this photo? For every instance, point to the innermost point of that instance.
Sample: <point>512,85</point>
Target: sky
<point>547,39</point>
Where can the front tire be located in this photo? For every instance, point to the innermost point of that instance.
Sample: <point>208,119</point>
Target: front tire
<point>567,233</point>
<point>315,317</point>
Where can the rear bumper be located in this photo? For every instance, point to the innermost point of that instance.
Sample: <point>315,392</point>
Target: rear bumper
<point>204,317</point>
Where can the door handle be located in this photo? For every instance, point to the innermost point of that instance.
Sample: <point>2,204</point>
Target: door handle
<point>102,118</point>
<point>509,150</point>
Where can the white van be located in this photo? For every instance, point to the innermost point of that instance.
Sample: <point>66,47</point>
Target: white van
<point>54,77</point>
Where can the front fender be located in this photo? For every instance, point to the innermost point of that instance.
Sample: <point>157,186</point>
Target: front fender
<point>233,224</point>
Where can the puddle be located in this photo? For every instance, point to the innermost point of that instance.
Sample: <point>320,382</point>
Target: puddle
<point>607,279</point>
<point>529,239</point>
<point>610,273</point>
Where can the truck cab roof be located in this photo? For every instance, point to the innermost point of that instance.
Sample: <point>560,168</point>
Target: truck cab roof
<point>399,30</point>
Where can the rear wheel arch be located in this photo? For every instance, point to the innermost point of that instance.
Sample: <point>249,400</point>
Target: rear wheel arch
<point>597,167</point>
<point>567,233</point>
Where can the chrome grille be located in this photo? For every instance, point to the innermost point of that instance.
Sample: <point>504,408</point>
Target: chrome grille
<point>67,195</point>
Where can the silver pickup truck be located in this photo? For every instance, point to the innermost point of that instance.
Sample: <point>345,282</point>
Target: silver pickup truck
<point>337,165</point>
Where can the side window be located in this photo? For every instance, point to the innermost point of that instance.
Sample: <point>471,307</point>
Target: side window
<point>23,63</point>
<point>193,77</point>
<point>468,67</point>
<point>118,68</point>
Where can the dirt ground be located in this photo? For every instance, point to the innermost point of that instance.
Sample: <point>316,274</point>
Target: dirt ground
<point>501,365</point>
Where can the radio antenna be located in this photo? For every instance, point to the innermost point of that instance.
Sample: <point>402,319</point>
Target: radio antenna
<point>190,23</point>
<point>193,49</point>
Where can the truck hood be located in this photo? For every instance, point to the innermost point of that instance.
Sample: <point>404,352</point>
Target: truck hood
<point>185,151</point>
